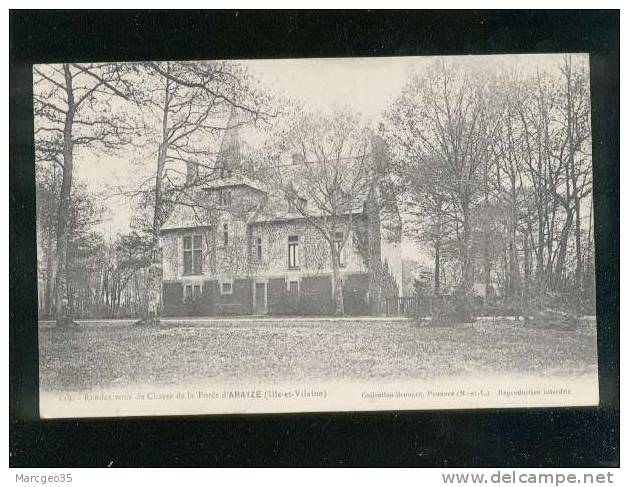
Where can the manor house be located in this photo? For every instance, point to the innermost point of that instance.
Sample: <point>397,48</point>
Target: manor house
<point>237,247</point>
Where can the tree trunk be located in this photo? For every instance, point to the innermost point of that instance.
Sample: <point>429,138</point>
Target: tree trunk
<point>463,304</point>
<point>542,214</point>
<point>374,251</point>
<point>154,280</point>
<point>550,239</point>
<point>437,269</point>
<point>514,266</point>
<point>579,253</point>
<point>337,285</point>
<point>62,311</point>
<point>590,255</point>
<point>539,268</point>
<point>486,270</point>
<point>563,249</point>
<point>467,266</point>
<point>51,269</point>
<point>528,265</point>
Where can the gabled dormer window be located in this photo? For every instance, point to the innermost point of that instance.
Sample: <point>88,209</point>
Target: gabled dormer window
<point>297,158</point>
<point>296,204</point>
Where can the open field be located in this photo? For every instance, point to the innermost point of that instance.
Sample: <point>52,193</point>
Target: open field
<point>118,354</point>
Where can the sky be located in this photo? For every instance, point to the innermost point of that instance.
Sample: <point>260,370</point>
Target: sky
<point>367,85</point>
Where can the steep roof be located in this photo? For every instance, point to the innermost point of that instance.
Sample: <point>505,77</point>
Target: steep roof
<point>275,208</point>
<point>232,181</point>
<point>185,216</point>
<point>284,216</point>
<point>229,154</point>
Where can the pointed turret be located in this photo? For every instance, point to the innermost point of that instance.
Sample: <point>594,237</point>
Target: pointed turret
<point>229,157</point>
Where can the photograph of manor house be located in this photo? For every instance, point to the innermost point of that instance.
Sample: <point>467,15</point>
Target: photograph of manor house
<point>339,226</point>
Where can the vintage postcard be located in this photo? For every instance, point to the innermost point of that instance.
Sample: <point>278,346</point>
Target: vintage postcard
<point>297,235</point>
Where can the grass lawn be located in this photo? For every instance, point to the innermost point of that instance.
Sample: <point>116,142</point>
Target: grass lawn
<point>102,355</point>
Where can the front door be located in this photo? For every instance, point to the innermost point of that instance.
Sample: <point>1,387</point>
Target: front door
<point>259,305</point>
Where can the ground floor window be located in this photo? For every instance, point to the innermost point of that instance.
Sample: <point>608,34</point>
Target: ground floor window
<point>293,288</point>
<point>191,292</point>
<point>226,288</point>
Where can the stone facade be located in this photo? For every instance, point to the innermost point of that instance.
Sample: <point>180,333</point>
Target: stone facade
<point>236,247</point>
<point>229,255</point>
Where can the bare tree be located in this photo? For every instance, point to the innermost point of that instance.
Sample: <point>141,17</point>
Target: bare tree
<point>506,159</point>
<point>554,117</point>
<point>330,180</point>
<point>443,124</point>
<point>430,217</point>
<point>75,108</point>
<point>507,185</point>
<point>186,106</point>
<point>576,122</point>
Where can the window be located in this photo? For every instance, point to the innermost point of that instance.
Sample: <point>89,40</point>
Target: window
<point>226,288</point>
<point>298,158</point>
<point>293,252</point>
<point>225,234</point>
<point>338,242</point>
<point>191,292</point>
<point>296,204</point>
<point>258,249</point>
<point>225,198</point>
<point>293,288</point>
<point>193,254</point>
<point>187,295</point>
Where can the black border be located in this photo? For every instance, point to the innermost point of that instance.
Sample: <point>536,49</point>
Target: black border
<point>525,437</point>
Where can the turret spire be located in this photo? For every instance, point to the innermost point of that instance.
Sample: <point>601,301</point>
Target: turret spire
<point>229,157</point>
